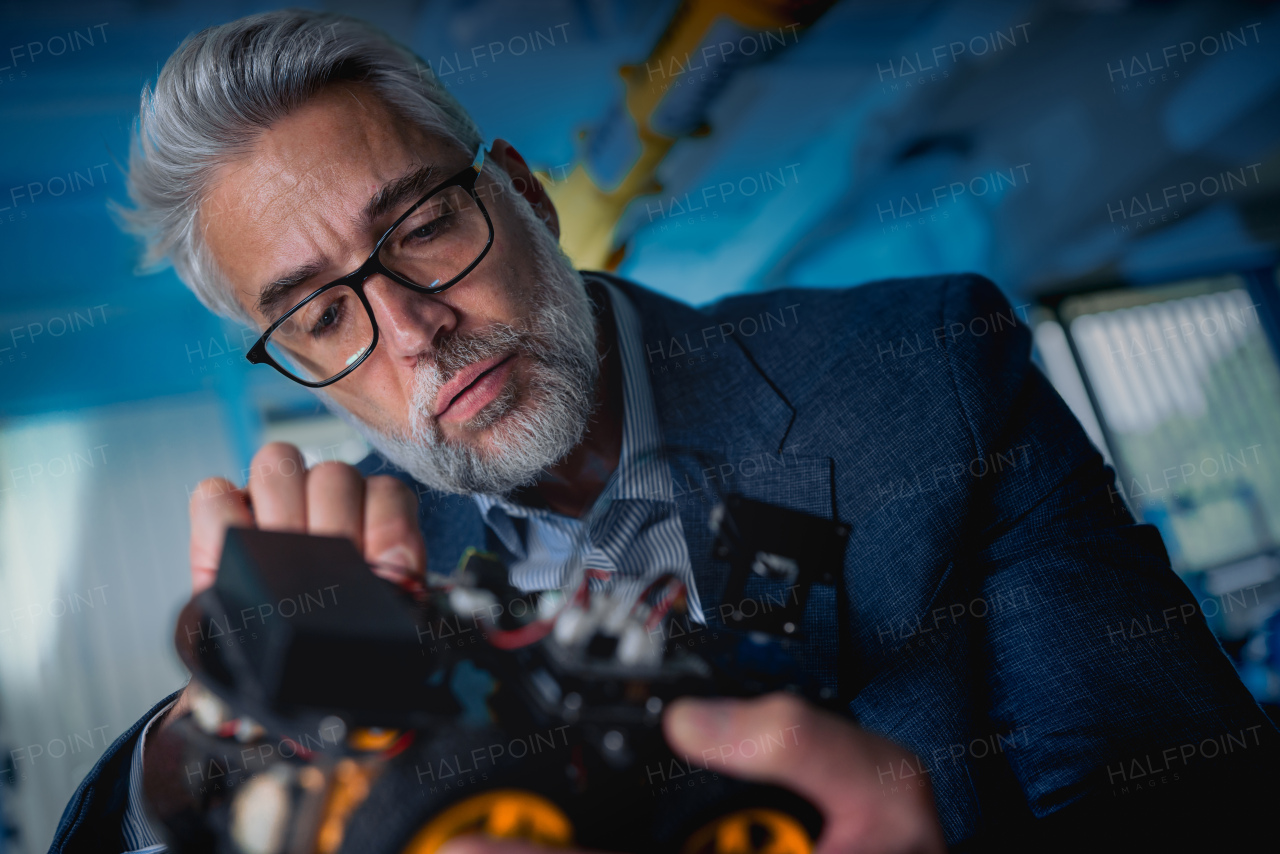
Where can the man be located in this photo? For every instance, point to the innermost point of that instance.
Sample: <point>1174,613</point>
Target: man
<point>551,415</point>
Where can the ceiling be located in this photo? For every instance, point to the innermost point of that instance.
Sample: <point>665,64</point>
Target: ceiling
<point>888,153</point>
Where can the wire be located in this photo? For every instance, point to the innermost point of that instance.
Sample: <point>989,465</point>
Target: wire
<point>509,639</point>
<point>673,590</point>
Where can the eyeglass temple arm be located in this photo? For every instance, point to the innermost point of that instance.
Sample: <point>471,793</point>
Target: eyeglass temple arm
<point>478,163</point>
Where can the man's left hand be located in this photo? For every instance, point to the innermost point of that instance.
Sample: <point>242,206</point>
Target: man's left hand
<point>826,759</point>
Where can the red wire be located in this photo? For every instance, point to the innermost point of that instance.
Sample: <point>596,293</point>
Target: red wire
<point>523,636</point>
<point>507,639</point>
<point>399,745</point>
<point>664,607</point>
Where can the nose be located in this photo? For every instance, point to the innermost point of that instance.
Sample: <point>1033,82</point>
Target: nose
<point>409,323</point>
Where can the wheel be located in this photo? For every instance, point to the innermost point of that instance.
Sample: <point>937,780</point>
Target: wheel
<point>500,813</point>
<point>753,830</point>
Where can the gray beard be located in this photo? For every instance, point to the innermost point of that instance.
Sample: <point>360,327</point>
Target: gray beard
<point>528,433</point>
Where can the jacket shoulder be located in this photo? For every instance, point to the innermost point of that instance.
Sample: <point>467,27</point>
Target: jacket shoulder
<point>908,328</point>
<point>939,305</point>
<point>92,819</point>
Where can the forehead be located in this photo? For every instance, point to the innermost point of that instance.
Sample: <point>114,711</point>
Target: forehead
<point>297,192</point>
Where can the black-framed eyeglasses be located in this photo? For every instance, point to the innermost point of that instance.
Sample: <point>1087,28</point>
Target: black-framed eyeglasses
<point>332,331</point>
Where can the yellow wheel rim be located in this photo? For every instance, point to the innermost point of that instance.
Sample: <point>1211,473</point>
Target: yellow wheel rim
<point>502,814</point>
<point>751,831</point>
<point>369,740</point>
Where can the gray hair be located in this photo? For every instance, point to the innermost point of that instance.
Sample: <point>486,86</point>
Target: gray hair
<point>226,85</point>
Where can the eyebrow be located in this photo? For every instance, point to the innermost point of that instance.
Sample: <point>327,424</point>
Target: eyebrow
<point>391,195</point>
<point>397,191</point>
<point>272,298</point>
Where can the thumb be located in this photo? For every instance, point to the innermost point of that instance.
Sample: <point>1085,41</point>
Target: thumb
<point>776,739</point>
<point>820,756</point>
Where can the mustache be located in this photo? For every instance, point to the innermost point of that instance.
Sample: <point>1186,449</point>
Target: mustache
<point>460,350</point>
<point>456,353</point>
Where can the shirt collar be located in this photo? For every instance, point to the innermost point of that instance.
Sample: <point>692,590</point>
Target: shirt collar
<point>642,473</point>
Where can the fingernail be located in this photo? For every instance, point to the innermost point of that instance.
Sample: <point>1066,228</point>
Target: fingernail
<point>471,843</point>
<point>399,556</point>
<point>456,846</point>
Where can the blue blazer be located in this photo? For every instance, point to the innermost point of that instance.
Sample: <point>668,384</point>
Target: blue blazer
<point>999,614</point>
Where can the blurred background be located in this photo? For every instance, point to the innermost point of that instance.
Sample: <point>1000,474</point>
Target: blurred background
<point>1112,165</point>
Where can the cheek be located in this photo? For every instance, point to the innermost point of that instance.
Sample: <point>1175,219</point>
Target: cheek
<point>489,297</point>
<point>376,394</point>
<point>510,261</point>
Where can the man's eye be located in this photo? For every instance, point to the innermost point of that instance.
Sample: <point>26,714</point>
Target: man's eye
<point>328,318</point>
<point>428,230</point>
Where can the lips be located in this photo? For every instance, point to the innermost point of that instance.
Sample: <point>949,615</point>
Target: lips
<point>473,382</point>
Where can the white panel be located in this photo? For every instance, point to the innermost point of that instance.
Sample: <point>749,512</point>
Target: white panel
<point>93,570</point>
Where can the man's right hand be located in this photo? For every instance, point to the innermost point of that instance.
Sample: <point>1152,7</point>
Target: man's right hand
<point>378,514</point>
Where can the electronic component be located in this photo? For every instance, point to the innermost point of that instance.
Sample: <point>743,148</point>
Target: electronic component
<point>787,549</point>
<point>367,718</point>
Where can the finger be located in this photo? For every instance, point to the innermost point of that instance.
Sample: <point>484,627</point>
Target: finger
<point>782,740</point>
<point>392,538</point>
<point>476,844</point>
<point>277,488</point>
<point>335,502</point>
<point>215,506</point>
<point>775,739</point>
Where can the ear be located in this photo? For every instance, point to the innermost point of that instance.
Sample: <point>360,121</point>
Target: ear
<point>525,183</point>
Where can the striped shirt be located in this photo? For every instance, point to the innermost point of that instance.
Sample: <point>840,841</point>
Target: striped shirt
<point>633,530</point>
<point>138,835</point>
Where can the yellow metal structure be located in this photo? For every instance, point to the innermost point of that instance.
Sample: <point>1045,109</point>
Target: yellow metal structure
<point>589,214</point>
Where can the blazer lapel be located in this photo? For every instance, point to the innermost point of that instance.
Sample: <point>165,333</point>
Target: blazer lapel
<point>725,426</point>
